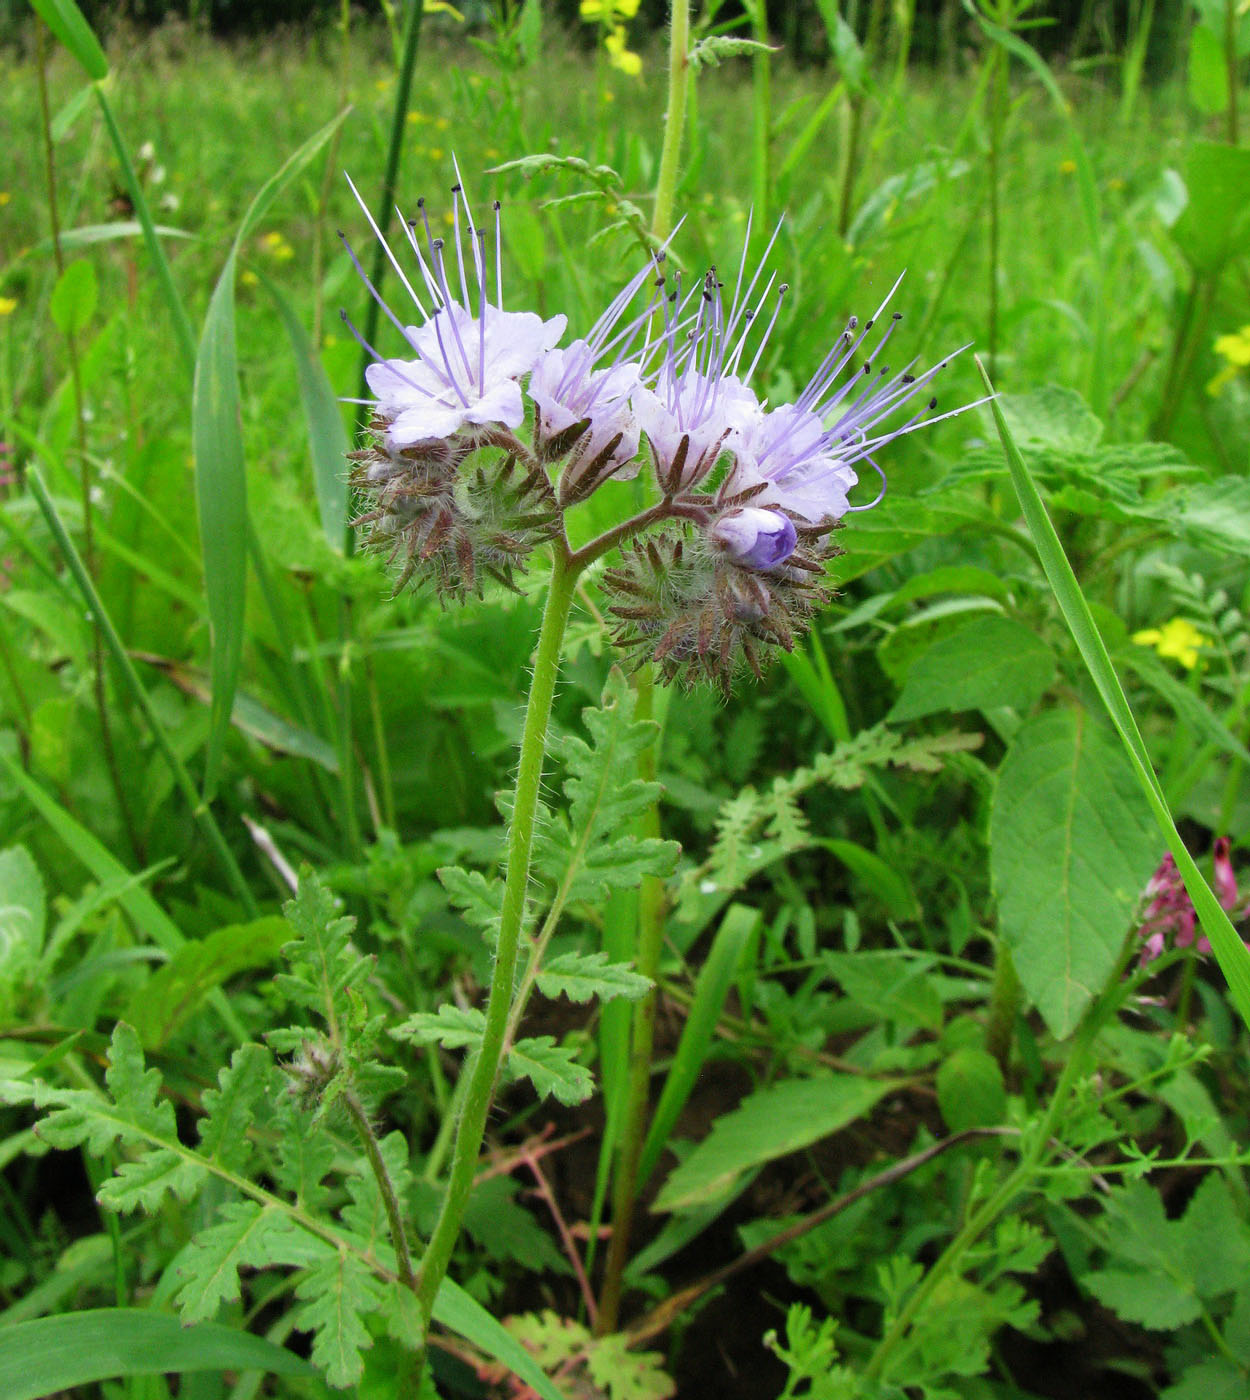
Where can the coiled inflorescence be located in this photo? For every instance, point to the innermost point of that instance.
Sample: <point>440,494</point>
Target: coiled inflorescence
<point>729,563</point>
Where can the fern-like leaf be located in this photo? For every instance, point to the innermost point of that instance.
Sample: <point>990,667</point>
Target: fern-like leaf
<point>584,976</point>
<point>337,1293</point>
<point>552,1069</point>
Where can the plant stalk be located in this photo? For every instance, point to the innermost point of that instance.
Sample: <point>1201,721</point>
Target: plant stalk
<point>394,1217</point>
<point>483,1072</point>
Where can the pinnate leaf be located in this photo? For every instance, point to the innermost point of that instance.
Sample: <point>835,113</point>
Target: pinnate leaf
<point>337,1293</point>
<point>552,1069</point>
<point>452,1027</point>
<point>584,976</point>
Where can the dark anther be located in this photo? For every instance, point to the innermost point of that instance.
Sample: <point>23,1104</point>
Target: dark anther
<point>909,379</point>
<point>898,316</point>
<point>852,323</point>
<point>869,324</point>
<point>421,202</point>
<point>867,366</point>
<point>497,206</point>
<point>437,245</point>
<point>455,189</point>
<point>783,289</point>
<point>932,403</point>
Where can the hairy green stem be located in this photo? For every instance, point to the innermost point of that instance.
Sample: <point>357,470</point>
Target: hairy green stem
<point>394,1218</point>
<point>483,1071</point>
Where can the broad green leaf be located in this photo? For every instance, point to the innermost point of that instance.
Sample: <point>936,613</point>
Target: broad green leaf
<point>991,661</point>
<point>452,1027</point>
<point>1216,514</point>
<point>220,469</point>
<point>1217,1379</point>
<point>164,1002</point>
<point>970,1089</point>
<point>585,976</point>
<point>1216,221</point>
<point>73,300</point>
<point>1208,71</point>
<point>1071,848</point>
<point>875,536</point>
<point>769,1123</point>
<point>552,1069</point>
<point>327,438</point>
<point>66,21</point>
<point>51,1355</point>
<point>1230,952</point>
<point>711,989</point>
<point>1052,417</point>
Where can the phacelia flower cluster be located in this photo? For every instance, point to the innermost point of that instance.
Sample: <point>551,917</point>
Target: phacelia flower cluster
<point>487,429</point>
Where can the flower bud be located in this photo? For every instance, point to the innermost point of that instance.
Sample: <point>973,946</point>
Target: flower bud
<point>755,538</point>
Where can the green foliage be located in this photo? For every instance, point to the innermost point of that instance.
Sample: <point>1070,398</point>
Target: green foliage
<point>1165,1273</point>
<point>562,1345</point>
<point>583,977</point>
<point>1071,848</point>
<point>767,1124</point>
<point>590,849</point>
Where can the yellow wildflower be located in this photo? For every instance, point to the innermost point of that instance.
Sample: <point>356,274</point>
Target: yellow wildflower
<point>8,305</point>
<point>5,196</point>
<point>610,10</point>
<point>275,244</point>
<point>1178,640</point>
<point>248,277</point>
<point>1235,349</point>
<point>1067,167</point>
<point>619,56</point>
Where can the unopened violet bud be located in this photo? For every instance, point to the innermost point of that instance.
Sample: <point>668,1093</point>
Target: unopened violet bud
<point>755,538</point>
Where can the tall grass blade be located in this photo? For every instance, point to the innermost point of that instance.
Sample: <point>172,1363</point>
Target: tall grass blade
<point>182,779</point>
<point>147,916</point>
<point>53,1354</point>
<point>327,437</point>
<point>220,467</point>
<point>462,1313</point>
<point>715,979</point>
<point>1230,952</point>
<point>70,26</point>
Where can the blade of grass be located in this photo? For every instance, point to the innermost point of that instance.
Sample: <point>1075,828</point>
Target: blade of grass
<point>70,26</point>
<point>716,976</point>
<point>146,915</point>
<point>327,438</point>
<point>199,810</point>
<point>220,468</point>
<point>52,1354</point>
<point>1230,952</point>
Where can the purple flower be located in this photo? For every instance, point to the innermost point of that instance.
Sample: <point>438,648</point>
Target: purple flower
<point>804,454</point>
<point>755,538</point>
<point>469,353</point>
<point>698,407</point>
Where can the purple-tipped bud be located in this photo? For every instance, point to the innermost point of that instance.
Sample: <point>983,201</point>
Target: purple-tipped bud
<point>755,538</point>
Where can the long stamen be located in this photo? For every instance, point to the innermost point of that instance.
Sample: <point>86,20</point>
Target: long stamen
<point>386,248</point>
<point>880,496</point>
<point>373,291</point>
